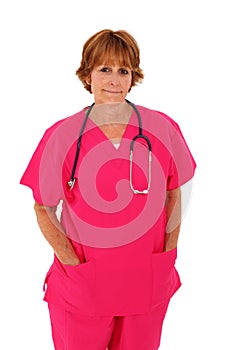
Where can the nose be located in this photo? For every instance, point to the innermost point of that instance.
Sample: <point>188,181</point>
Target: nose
<point>114,79</point>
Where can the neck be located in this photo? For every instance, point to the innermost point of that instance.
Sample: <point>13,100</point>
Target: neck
<point>111,113</point>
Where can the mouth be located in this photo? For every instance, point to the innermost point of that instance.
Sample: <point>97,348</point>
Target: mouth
<point>112,92</point>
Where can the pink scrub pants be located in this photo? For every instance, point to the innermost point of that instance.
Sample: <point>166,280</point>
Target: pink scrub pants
<point>72,331</point>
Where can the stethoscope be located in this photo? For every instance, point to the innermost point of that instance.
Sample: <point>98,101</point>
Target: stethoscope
<point>140,135</point>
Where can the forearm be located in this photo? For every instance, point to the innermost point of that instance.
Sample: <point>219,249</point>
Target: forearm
<point>55,235</point>
<point>173,211</point>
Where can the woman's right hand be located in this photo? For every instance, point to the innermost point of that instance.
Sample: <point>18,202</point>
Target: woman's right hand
<point>69,260</point>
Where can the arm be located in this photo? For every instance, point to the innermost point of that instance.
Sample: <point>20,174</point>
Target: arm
<point>173,209</point>
<point>55,235</point>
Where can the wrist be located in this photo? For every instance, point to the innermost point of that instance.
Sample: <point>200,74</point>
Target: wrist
<point>67,255</point>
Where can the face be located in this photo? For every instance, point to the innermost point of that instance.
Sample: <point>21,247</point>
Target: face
<point>110,83</point>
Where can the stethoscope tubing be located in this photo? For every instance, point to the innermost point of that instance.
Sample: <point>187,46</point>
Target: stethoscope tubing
<point>140,135</point>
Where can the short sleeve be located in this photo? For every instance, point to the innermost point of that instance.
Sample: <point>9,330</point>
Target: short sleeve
<point>182,164</point>
<point>42,174</point>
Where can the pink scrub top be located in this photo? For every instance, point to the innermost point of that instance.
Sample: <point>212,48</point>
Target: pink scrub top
<point>118,236</point>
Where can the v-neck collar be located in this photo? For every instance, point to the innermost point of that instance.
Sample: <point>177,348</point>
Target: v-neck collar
<point>100,136</point>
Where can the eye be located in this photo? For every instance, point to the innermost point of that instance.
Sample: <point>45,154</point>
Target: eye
<point>124,71</point>
<point>105,69</point>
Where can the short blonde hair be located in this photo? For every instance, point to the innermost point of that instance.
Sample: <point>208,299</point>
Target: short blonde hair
<point>103,48</point>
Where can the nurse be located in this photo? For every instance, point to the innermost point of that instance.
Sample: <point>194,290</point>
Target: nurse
<point>113,273</point>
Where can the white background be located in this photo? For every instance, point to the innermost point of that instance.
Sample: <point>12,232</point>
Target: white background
<point>186,54</point>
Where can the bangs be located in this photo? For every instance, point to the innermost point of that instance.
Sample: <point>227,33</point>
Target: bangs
<point>111,52</point>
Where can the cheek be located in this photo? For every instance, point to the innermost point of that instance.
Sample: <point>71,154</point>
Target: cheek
<point>128,84</point>
<point>95,85</point>
<point>98,82</point>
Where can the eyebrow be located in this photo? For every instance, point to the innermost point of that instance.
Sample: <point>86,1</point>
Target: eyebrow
<point>110,65</point>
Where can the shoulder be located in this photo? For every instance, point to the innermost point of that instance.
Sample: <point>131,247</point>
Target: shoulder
<point>74,118</point>
<point>157,118</point>
<point>63,125</point>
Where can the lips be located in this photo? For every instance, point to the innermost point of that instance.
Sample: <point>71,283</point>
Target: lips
<point>112,92</point>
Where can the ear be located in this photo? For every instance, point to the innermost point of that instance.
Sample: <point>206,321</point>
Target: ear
<point>88,80</point>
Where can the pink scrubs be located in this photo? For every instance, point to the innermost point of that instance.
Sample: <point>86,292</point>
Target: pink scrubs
<point>74,331</point>
<point>122,287</point>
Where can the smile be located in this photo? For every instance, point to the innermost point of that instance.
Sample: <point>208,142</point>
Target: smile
<point>112,92</point>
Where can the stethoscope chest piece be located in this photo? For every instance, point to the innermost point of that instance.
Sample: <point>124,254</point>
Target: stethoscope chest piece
<point>71,183</point>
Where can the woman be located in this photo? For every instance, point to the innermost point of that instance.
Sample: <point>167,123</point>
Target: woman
<point>115,242</point>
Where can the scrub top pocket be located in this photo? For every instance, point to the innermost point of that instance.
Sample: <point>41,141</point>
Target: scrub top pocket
<point>72,287</point>
<point>166,280</point>
<point>123,285</point>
